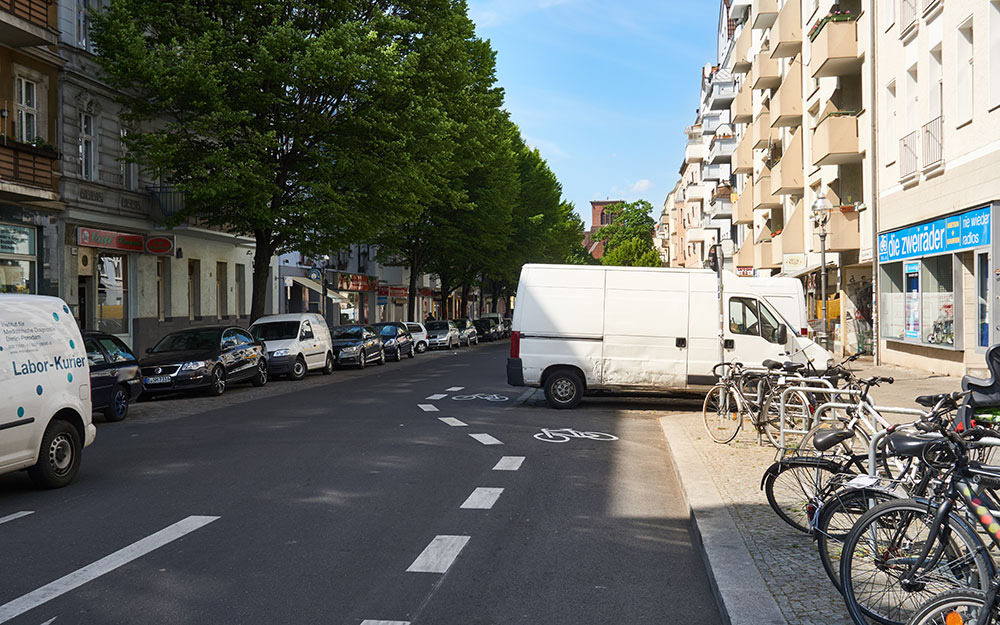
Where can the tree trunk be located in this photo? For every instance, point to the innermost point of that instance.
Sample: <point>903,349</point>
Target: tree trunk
<point>411,298</point>
<point>261,273</point>
<point>496,296</point>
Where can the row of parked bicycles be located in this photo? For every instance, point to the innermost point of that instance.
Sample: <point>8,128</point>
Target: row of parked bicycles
<point>905,517</point>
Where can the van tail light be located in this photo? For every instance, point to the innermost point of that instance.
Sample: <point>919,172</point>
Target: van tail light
<point>804,332</point>
<point>515,344</point>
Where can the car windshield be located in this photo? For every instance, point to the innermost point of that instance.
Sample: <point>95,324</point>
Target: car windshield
<point>387,331</point>
<point>347,332</point>
<point>275,330</point>
<point>194,340</point>
<point>437,325</point>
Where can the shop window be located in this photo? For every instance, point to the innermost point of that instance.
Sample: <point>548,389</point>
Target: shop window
<point>918,300</point>
<point>938,300</point>
<point>983,299</point>
<point>112,294</point>
<point>17,259</point>
<point>891,300</point>
<point>27,110</point>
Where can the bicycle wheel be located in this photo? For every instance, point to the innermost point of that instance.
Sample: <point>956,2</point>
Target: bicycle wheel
<point>722,414</point>
<point>838,514</point>
<point>886,541</point>
<point>795,489</point>
<point>953,607</point>
<point>798,417</point>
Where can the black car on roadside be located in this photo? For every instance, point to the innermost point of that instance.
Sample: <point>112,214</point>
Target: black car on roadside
<point>115,381</point>
<point>206,358</point>
<point>396,340</point>
<point>467,332</point>
<point>357,345</point>
<point>487,329</point>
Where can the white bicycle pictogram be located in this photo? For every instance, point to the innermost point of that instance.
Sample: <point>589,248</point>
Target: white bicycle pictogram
<point>563,435</point>
<point>485,396</point>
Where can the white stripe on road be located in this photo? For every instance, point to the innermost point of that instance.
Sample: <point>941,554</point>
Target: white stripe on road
<point>105,565</point>
<point>370,622</point>
<point>482,498</point>
<point>486,439</point>
<point>437,396</point>
<point>509,463</point>
<point>453,422</point>
<point>439,555</point>
<point>15,516</point>
<point>428,407</point>
<point>454,388</point>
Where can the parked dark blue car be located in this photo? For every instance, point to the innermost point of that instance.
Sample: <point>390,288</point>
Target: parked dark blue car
<point>114,374</point>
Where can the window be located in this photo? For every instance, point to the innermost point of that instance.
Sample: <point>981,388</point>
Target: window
<point>194,289</point>
<point>243,337</point>
<point>83,25</point>
<point>887,10</point>
<point>891,301</point>
<point>912,99</point>
<point>938,300</point>
<point>94,354</point>
<point>117,351</point>
<point>307,331</point>
<point>229,339</point>
<point>994,53</point>
<point>88,147</point>
<point>983,298</point>
<point>889,123</point>
<point>130,170</point>
<point>964,83</point>
<point>743,316</point>
<point>221,288</point>
<point>112,294</point>
<point>27,110</point>
<point>17,259</point>
<point>934,84</point>
<point>768,326</point>
<point>918,300</point>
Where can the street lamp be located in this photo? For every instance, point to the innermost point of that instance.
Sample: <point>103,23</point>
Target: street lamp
<point>821,217</point>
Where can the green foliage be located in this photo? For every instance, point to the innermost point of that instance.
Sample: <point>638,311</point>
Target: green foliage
<point>632,253</point>
<point>628,240</point>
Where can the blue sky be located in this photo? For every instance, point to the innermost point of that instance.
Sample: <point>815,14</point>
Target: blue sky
<point>603,89</point>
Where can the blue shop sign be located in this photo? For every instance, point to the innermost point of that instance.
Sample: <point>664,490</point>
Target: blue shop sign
<point>950,234</point>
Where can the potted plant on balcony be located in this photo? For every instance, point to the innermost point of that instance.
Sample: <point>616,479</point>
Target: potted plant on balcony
<point>833,16</point>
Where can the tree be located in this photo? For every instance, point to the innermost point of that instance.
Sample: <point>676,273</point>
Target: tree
<point>307,124</point>
<point>628,240</point>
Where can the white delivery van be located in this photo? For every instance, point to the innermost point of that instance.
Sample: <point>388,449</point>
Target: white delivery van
<point>630,328</point>
<point>296,343</point>
<point>45,407</point>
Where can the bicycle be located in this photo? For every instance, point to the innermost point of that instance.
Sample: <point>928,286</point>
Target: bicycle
<point>565,434</point>
<point>486,396</point>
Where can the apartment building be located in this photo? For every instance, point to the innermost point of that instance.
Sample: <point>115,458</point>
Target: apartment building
<point>938,172</point>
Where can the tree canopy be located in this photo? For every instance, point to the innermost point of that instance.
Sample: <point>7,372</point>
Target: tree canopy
<point>628,240</point>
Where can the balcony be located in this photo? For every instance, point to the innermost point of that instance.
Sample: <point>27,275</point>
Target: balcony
<point>695,193</point>
<point>764,13</point>
<point>933,147</point>
<point>761,132</point>
<point>763,198</point>
<point>786,34</point>
<point>786,103</point>
<point>741,51</point>
<point>723,91</point>
<point>908,160</point>
<point>695,152</point>
<point>26,173</point>
<point>741,111</point>
<point>744,207</point>
<point>777,253</point>
<point>762,257</point>
<point>721,149</point>
<point>715,172</point>
<point>721,206</point>
<point>843,232</point>
<point>744,256</point>
<point>764,73</point>
<point>907,18</point>
<point>710,123</point>
<point>835,141</point>
<point>835,49</point>
<point>793,240</point>
<point>743,163</point>
<point>786,174</point>
<point>24,23</point>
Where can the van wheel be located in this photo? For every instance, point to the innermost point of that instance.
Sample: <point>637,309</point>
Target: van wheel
<point>58,456</point>
<point>298,369</point>
<point>563,388</point>
<point>328,368</point>
<point>118,409</point>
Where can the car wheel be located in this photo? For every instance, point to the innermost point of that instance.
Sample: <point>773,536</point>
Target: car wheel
<point>451,344</point>
<point>563,388</point>
<point>328,369</point>
<point>399,354</point>
<point>421,347</point>
<point>299,369</point>
<point>58,456</point>
<point>261,378</point>
<point>362,360</point>
<point>118,409</point>
<point>412,349</point>
<point>381,358</point>
<point>218,386</point>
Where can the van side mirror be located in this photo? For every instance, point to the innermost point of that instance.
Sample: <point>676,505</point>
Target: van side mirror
<point>781,335</point>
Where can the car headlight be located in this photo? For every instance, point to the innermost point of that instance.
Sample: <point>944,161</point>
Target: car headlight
<point>351,349</point>
<point>194,364</point>
<point>280,352</point>
<point>390,342</point>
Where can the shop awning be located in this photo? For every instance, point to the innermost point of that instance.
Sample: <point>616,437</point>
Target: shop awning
<point>312,285</point>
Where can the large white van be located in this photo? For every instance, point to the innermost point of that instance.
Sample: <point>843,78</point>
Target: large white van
<point>45,407</point>
<point>296,343</point>
<point>578,328</point>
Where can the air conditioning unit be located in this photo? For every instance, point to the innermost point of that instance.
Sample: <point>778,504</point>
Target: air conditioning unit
<point>85,260</point>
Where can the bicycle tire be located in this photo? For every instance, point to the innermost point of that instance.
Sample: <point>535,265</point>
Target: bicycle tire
<point>723,417</point>
<point>874,555</point>
<point>838,514</point>
<point>797,416</point>
<point>968,604</point>
<point>792,490</point>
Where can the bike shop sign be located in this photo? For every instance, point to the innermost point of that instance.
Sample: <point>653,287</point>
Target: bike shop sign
<point>950,234</point>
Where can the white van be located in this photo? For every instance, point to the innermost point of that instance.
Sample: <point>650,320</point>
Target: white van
<point>296,343</point>
<point>45,407</point>
<point>578,328</point>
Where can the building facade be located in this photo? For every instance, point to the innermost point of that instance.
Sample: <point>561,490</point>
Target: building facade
<point>599,216</point>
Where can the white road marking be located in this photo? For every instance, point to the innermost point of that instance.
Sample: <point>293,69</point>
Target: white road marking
<point>428,407</point>
<point>509,463</point>
<point>482,498</point>
<point>50,621</point>
<point>371,622</point>
<point>15,516</point>
<point>486,439</point>
<point>439,555</point>
<point>453,422</point>
<point>437,396</point>
<point>454,388</point>
<point>105,565</point>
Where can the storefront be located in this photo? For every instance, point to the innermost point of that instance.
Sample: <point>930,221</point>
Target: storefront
<point>359,291</point>
<point>392,302</point>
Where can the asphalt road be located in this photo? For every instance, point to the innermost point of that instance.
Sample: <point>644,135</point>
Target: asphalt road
<point>342,500</point>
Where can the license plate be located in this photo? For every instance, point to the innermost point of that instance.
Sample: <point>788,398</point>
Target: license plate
<point>157,379</point>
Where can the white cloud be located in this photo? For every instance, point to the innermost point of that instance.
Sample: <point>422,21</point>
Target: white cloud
<point>642,186</point>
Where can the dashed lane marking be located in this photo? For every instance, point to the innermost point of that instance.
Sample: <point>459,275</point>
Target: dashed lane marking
<point>453,422</point>
<point>428,407</point>
<point>454,388</point>
<point>105,565</point>
<point>15,516</point>
<point>438,556</point>
<point>437,396</point>
<point>371,622</point>
<point>509,463</point>
<point>482,498</point>
<point>486,439</point>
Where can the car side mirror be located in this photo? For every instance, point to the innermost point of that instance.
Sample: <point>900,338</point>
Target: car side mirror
<point>781,335</point>
<point>149,350</point>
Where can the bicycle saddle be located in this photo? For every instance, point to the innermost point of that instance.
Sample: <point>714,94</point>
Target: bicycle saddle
<point>828,438</point>
<point>792,367</point>
<point>911,446</point>
<point>930,401</point>
<point>772,364</point>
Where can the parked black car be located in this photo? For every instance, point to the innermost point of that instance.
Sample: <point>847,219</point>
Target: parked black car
<point>467,332</point>
<point>357,345</point>
<point>114,374</point>
<point>207,358</point>
<point>487,329</point>
<point>396,341</point>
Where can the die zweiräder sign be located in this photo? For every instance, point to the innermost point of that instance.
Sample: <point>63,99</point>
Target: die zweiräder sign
<point>949,234</point>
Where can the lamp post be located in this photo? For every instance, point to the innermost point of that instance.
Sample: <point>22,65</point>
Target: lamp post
<point>821,217</point>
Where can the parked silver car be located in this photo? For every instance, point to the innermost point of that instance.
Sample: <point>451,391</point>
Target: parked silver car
<point>419,333</point>
<point>442,334</point>
<point>467,333</point>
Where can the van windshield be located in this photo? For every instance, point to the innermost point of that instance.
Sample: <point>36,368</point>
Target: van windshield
<point>275,330</point>
<point>195,340</point>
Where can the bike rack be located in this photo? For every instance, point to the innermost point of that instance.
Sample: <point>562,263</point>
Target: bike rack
<point>821,386</point>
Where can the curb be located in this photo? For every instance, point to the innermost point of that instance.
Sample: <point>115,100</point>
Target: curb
<point>739,588</point>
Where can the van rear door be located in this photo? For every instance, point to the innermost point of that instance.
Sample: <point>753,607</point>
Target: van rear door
<point>645,329</point>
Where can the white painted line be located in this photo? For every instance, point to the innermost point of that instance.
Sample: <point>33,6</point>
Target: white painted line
<point>439,555</point>
<point>437,396</point>
<point>428,407</point>
<point>486,439</point>
<point>482,498</point>
<point>371,622</point>
<point>509,463</point>
<point>15,516</point>
<point>453,422</point>
<point>50,621</point>
<point>105,565</point>
<point>454,388</point>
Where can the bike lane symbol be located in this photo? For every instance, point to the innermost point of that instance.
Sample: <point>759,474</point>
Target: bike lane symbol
<point>563,435</point>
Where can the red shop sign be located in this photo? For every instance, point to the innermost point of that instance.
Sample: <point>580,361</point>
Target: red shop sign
<point>398,291</point>
<point>356,282</point>
<point>383,291</point>
<point>106,239</point>
<point>162,246</point>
